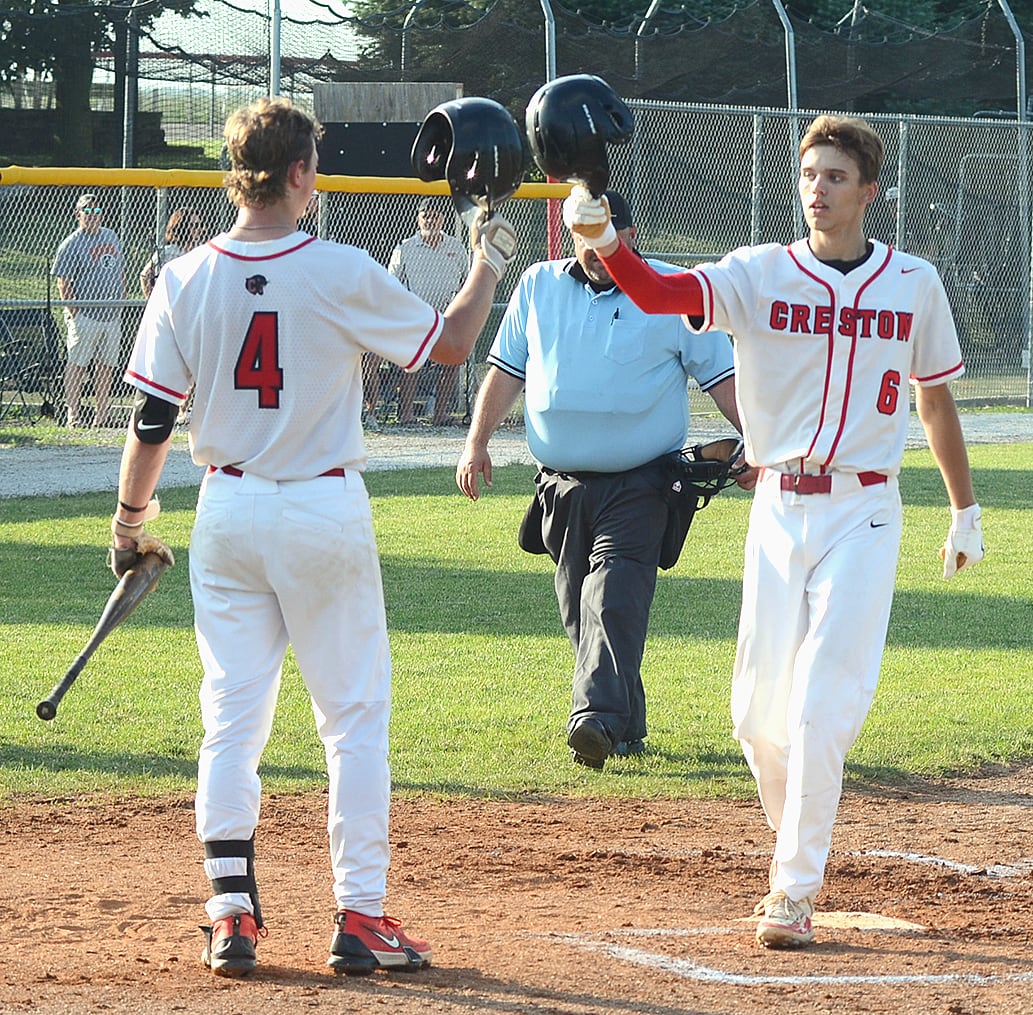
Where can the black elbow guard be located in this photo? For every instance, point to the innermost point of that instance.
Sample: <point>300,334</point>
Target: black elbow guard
<point>153,418</point>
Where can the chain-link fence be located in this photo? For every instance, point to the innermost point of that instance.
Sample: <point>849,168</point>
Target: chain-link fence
<point>162,79</point>
<point>724,52</point>
<point>702,180</point>
<point>35,217</point>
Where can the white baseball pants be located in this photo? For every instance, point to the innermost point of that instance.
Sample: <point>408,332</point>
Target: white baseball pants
<point>817,590</point>
<point>294,562</point>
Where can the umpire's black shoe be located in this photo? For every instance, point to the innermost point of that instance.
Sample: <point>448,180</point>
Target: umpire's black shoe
<point>590,743</point>
<point>626,747</point>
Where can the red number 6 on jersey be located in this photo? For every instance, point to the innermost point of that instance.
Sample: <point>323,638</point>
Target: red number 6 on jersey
<point>889,393</point>
<point>258,365</point>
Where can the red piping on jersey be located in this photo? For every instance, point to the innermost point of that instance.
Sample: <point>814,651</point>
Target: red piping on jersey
<point>943,373</point>
<point>264,257</point>
<point>707,289</point>
<point>423,344</point>
<point>850,358</point>
<point>828,351</point>
<point>159,387</point>
<point>853,352</point>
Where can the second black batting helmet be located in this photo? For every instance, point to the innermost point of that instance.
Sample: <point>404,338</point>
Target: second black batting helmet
<point>569,122</point>
<point>475,145</point>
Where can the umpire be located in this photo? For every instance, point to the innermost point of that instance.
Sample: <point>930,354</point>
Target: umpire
<point>605,399</point>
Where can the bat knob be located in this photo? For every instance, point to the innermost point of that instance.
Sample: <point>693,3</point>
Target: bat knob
<point>46,710</point>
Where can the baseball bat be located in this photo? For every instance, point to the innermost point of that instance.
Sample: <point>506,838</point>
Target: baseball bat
<point>130,591</point>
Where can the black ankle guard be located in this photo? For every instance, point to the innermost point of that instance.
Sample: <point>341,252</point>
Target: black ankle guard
<point>242,849</point>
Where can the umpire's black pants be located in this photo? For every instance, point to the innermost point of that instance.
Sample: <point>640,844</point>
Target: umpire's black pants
<point>604,532</point>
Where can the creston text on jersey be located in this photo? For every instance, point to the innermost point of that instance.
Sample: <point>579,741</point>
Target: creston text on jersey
<point>853,322</point>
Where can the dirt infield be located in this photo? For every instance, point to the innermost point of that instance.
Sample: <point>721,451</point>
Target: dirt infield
<point>543,906</point>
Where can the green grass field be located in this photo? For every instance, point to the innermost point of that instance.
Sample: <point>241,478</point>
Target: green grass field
<point>482,668</point>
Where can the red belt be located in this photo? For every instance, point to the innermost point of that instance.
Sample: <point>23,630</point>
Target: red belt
<point>823,484</point>
<point>232,470</point>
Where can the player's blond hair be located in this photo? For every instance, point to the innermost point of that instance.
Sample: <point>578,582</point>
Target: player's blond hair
<point>853,137</point>
<point>263,140</point>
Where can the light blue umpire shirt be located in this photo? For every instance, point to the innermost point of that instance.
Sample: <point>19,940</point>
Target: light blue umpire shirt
<point>605,385</point>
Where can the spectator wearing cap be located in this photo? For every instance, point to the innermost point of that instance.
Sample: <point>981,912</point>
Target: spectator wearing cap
<point>433,264</point>
<point>605,401</point>
<point>90,272</point>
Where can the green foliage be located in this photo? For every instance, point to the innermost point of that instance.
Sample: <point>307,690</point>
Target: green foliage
<point>481,664</point>
<point>59,40</point>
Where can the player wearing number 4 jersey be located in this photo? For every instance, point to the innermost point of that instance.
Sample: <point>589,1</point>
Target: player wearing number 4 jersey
<point>270,324</point>
<point>829,332</point>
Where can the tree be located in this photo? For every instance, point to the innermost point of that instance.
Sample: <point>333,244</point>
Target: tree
<point>58,39</point>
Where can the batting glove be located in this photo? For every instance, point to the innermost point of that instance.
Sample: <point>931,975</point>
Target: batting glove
<point>494,241</point>
<point>589,218</point>
<point>122,558</point>
<point>964,544</point>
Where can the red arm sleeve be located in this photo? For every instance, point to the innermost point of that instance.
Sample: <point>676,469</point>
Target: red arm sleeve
<point>652,292</point>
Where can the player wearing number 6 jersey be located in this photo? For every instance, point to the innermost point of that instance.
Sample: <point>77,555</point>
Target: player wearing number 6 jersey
<point>829,332</point>
<point>270,324</point>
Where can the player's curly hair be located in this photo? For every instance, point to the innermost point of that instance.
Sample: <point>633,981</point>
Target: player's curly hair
<point>262,141</point>
<point>853,137</point>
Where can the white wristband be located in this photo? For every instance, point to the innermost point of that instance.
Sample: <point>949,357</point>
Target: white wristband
<point>966,518</point>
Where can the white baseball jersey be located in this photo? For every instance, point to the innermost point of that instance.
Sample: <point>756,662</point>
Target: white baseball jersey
<point>272,335</point>
<point>825,358</point>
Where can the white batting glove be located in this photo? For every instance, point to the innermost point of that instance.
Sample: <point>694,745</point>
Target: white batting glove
<point>964,544</point>
<point>494,241</point>
<point>589,217</point>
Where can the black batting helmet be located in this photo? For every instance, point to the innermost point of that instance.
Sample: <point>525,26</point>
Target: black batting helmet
<point>569,121</point>
<point>473,143</point>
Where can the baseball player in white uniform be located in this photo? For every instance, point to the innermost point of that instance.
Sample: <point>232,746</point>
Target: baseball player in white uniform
<point>829,332</point>
<point>270,324</point>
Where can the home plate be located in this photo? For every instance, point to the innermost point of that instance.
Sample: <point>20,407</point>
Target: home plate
<point>864,921</point>
<point>854,921</point>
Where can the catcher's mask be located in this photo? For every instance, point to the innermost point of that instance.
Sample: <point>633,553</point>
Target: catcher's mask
<point>707,469</point>
<point>475,144</point>
<point>569,121</point>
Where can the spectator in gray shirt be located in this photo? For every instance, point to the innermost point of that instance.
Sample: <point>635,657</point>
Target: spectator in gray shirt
<point>90,266</point>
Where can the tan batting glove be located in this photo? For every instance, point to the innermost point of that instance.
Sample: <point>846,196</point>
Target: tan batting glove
<point>589,217</point>
<point>494,241</point>
<point>129,542</point>
<point>964,544</point>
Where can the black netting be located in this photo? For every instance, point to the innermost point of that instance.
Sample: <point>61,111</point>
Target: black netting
<point>737,55</point>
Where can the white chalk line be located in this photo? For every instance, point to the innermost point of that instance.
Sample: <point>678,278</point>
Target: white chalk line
<point>687,969</point>
<point>997,870</point>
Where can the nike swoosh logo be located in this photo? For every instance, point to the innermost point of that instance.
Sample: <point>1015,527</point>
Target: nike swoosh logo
<point>878,525</point>
<point>907,271</point>
<point>391,942</point>
<point>148,426</point>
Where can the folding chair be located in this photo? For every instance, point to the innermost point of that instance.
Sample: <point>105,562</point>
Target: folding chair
<point>12,374</point>
<point>30,363</point>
